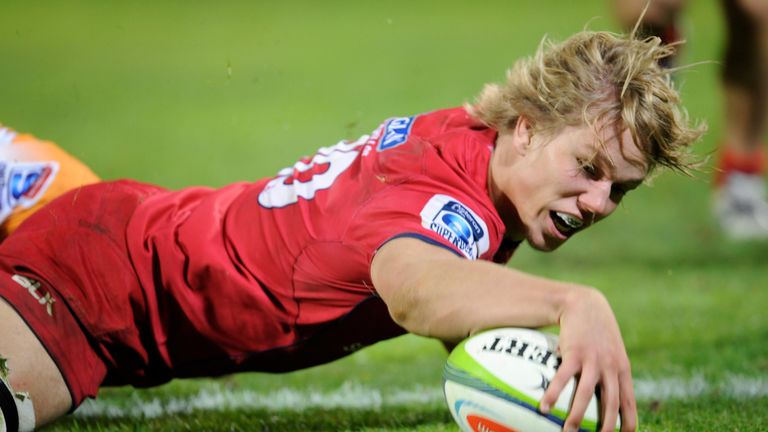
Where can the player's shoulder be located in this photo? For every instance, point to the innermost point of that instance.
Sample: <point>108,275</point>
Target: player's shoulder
<point>448,146</point>
<point>397,130</point>
<point>446,121</point>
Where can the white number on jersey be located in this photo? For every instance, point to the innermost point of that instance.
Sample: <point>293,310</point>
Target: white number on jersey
<point>290,184</point>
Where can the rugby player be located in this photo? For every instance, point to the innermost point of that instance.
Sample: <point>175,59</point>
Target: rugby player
<point>404,230</point>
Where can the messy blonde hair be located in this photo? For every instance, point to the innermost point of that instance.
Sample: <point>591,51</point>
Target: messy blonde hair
<point>597,78</point>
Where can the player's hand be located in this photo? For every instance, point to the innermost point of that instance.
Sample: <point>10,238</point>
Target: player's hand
<point>593,351</point>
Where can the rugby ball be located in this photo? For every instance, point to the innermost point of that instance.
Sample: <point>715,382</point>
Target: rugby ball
<point>493,382</point>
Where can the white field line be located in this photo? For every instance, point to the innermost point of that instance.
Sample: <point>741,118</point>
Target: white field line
<point>355,396</point>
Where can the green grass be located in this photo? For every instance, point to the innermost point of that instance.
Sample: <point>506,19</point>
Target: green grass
<point>435,418</point>
<point>182,93</point>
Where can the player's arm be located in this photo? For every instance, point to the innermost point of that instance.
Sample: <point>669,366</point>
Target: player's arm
<point>432,292</point>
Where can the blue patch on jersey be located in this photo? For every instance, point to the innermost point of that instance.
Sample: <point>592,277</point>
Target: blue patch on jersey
<point>395,132</point>
<point>463,223</point>
<point>26,182</point>
<point>22,184</point>
<point>458,225</point>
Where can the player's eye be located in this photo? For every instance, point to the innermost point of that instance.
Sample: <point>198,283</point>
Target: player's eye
<point>589,169</point>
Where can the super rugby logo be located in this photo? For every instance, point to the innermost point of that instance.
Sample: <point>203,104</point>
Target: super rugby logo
<point>456,223</point>
<point>24,183</point>
<point>395,132</point>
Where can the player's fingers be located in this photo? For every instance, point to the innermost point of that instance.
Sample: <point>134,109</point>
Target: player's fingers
<point>628,406</point>
<point>609,402</point>
<point>583,394</point>
<point>565,372</point>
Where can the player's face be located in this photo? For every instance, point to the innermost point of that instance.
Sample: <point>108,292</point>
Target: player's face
<point>547,190</point>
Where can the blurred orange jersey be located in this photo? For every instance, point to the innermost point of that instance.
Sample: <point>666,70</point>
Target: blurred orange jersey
<point>32,173</point>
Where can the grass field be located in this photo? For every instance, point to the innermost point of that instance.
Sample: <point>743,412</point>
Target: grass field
<point>181,93</point>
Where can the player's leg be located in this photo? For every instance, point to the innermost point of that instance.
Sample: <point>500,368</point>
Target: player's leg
<point>48,354</point>
<point>32,377</point>
<point>32,173</point>
<point>660,13</point>
<point>661,19</point>
<point>740,198</point>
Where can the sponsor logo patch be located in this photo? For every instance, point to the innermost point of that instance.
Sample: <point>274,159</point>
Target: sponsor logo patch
<point>395,132</point>
<point>456,223</point>
<point>23,183</point>
<point>34,289</point>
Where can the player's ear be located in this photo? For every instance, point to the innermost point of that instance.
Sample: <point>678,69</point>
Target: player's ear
<point>522,135</point>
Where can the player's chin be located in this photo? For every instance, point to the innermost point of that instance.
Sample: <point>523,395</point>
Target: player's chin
<point>543,234</point>
<point>547,246</point>
<point>545,243</point>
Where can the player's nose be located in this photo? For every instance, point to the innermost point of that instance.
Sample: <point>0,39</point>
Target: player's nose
<point>596,201</point>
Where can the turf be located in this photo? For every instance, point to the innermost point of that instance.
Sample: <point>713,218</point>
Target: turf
<point>181,93</point>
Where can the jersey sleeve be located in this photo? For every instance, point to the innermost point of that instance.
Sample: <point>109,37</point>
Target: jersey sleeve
<point>451,221</point>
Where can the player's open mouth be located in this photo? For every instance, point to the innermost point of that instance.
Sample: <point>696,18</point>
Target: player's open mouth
<point>565,223</point>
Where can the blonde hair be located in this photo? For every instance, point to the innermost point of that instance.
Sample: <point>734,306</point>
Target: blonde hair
<point>597,77</point>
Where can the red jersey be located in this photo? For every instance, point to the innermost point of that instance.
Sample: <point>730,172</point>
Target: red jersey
<point>275,275</point>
